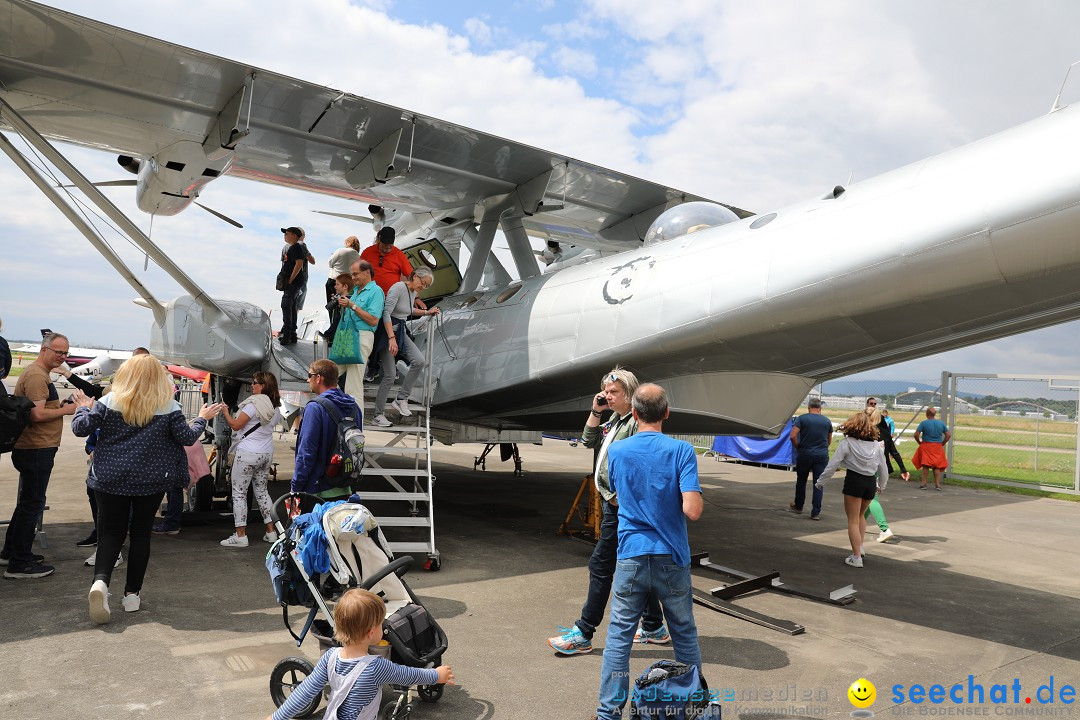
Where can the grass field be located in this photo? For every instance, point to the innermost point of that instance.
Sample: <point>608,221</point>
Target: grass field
<point>999,448</point>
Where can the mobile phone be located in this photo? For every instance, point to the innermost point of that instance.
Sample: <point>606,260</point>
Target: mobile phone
<point>602,400</point>
<point>67,401</point>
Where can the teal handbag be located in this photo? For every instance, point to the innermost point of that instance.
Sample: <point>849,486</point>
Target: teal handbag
<point>345,350</point>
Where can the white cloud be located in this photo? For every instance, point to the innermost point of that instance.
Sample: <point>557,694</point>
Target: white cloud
<point>479,31</point>
<point>574,62</point>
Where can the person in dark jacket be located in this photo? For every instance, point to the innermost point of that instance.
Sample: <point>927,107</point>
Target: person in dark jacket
<point>318,433</point>
<point>138,457</point>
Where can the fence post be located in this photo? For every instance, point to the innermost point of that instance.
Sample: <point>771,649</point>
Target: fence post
<point>1037,444</point>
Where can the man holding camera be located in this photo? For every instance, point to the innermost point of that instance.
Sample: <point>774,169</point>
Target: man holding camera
<point>33,457</point>
<point>618,388</point>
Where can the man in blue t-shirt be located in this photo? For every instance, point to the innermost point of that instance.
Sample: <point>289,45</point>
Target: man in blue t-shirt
<point>811,435</point>
<point>931,436</point>
<point>655,478</point>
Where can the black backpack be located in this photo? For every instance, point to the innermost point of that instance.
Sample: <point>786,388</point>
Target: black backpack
<point>14,416</point>
<point>349,448</point>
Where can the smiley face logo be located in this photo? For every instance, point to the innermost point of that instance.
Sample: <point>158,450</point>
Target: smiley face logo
<point>862,693</point>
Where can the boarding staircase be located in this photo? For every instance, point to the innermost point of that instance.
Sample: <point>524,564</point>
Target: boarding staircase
<point>398,485</point>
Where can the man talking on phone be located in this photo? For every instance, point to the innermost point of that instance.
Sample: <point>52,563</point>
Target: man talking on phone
<point>617,390</point>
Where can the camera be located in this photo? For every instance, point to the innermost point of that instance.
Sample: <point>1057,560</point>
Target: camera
<point>335,297</point>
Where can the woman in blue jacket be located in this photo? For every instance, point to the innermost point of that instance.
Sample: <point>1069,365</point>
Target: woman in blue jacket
<point>139,456</point>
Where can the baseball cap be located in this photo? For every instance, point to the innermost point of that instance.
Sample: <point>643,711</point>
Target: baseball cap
<point>294,230</point>
<point>387,235</point>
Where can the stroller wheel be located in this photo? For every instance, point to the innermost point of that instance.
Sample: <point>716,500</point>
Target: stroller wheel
<point>286,677</point>
<point>430,693</point>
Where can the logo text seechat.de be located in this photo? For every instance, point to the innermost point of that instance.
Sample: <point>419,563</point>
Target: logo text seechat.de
<point>973,692</point>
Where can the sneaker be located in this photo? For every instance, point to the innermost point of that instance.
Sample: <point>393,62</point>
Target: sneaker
<point>380,421</point>
<point>235,540</point>
<point>5,559</point>
<point>659,636</point>
<point>92,560</point>
<point>906,476</point>
<point>131,602</point>
<point>270,537</point>
<point>816,517</point>
<point>885,535</point>
<point>854,561</point>
<point>29,571</point>
<point>89,541</point>
<point>570,642</point>
<point>160,529</point>
<point>402,406</point>
<point>792,508</point>
<point>98,599</point>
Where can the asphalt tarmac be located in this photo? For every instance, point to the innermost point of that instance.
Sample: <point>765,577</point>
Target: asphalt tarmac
<point>977,585</point>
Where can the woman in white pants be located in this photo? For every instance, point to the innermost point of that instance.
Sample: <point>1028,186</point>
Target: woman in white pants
<point>254,425</point>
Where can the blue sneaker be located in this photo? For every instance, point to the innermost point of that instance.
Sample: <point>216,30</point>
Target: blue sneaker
<point>658,636</point>
<point>570,642</point>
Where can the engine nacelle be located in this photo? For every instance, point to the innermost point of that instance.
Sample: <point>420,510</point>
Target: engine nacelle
<point>174,176</point>
<point>687,218</point>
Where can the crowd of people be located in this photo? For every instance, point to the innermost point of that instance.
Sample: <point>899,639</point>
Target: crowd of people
<point>139,442</point>
<point>868,443</point>
<point>370,294</point>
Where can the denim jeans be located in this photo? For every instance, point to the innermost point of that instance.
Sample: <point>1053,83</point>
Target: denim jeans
<point>635,580</point>
<point>601,571</point>
<point>34,466</point>
<point>412,356</point>
<point>290,306</point>
<point>174,508</point>
<point>806,465</point>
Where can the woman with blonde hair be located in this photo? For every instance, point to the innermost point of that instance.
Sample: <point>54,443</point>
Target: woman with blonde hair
<point>867,475</point>
<point>139,456</point>
<point>254,453</point>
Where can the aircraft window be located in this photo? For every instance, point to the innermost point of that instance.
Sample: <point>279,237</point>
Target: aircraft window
<point>427,258</point>
<point>507,294</point>
<point>210,172</point>
<point>173,165</point>
<point>762,221</point>
<point>471,300</point>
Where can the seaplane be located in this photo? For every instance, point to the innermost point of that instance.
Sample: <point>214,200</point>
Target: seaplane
<point>737,313</point>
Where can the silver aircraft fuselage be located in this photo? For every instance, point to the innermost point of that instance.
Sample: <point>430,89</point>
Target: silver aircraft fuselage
<point>740,321</point>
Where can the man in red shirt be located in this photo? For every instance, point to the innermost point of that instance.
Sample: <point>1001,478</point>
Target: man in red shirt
<point>389,262</point>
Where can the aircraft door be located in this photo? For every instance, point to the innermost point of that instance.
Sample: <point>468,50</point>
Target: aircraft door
<point>432,255</point>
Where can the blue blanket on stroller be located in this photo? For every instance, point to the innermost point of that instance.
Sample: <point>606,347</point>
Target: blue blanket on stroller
<point>313,540</point>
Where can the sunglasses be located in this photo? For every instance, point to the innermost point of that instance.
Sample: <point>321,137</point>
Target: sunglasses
<point>611,377</point>
<point>381,258</point>
<point>311,375</point>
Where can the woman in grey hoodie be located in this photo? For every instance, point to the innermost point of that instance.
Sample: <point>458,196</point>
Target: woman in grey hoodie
<point>867,475</point>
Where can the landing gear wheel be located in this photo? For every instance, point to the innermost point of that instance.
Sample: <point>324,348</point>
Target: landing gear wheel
<point>430,693</point>
<point>286,677</point>
<point>433,563</point>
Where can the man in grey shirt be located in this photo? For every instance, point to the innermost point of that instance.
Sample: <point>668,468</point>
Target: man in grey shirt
<point>399,307</point>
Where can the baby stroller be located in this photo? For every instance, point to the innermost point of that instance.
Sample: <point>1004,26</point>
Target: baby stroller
<point>358,556</point>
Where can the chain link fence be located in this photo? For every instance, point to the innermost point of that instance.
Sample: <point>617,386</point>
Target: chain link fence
<point>1018,430</point>
<point>1013,429</point>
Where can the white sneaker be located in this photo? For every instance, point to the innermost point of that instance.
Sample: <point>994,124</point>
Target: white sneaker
<point>92,560</point>
<point>885,535</point>
<point>235,540</point>
<point>854,561</point>
<point>99,602</point>
<point>402,406</point>
<point>380,421</point>
<point>270,537</point>
<point>131,603</point>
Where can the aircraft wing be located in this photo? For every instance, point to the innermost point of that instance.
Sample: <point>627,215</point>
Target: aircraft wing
<point>84,82</point>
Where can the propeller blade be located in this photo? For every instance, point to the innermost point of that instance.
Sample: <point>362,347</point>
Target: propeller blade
<point>347,216</point>
<point>215,213</point>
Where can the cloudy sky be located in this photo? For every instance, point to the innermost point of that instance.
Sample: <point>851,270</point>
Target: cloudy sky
<point>754,104</point>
